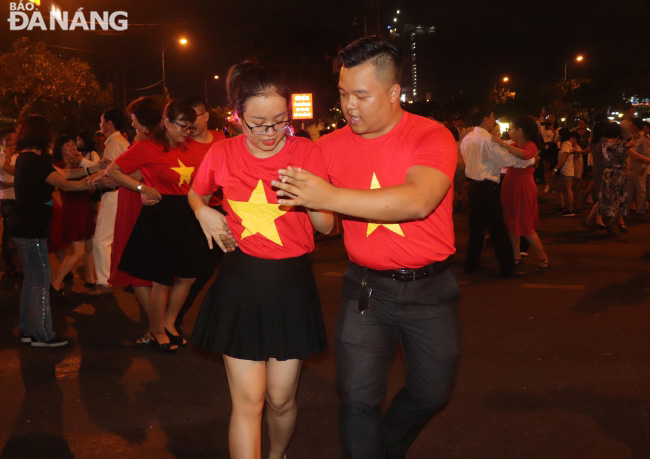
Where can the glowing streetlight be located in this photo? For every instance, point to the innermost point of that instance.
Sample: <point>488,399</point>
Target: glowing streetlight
<point>181,41</point>
<point>205,85</point>
<point>505,79</point>
<point>579,58</point>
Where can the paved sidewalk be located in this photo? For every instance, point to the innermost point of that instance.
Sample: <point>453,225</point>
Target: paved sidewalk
<point>553,366</point>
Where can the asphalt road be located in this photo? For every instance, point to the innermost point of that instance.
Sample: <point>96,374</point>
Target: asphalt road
<point>553,366</point>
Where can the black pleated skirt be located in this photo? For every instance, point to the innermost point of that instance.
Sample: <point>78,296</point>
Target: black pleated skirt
<point>259,309</point>
<point>166,242</point>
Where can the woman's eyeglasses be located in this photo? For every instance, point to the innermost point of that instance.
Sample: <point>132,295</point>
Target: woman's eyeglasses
<point>261,129</point>
<point>186,127</point>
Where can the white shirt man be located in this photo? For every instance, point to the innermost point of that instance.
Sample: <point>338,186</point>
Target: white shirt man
<point>115,144</point>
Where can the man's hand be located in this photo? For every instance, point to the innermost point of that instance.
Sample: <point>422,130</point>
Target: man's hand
<point>302,188</point>
<point>214,226</point>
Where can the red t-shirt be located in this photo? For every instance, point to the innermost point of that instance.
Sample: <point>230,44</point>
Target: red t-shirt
<point>168,172</point>
<point>261,227</point>
<point>355,162</point>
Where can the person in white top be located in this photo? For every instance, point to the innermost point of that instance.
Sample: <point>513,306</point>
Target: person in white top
<point>483,162</point>
<point>565,171</point>
<point>626,122</point>
<point>8,197</point>
<point>111,122</point>
<point>637,165</point>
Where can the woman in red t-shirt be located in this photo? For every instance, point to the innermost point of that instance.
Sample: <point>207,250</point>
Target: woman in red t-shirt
<point>166,245</point>
<point>519,191</point>
<point>263,311</point>
<point>145,113</point>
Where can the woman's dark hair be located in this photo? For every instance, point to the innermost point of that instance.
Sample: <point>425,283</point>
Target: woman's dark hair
<point>385,55</point>
<point>147,110</point>
<point>612,131</point>
<point>564,134</point>
<point>530,129</point>
<point>34,132</point>
<point>600,119</point>
<point>555,124</point>
<point>87,138</point>
<point>175,110</point>
<point>249,79</point>
<point>57,149</point>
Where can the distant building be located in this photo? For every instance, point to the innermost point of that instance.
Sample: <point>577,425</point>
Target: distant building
<point>419,73</point>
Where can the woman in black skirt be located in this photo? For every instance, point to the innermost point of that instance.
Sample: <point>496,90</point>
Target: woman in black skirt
<point>166,245</point>
<point>263,311</point>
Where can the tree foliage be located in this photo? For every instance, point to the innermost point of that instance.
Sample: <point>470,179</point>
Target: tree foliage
<point>36,81</point>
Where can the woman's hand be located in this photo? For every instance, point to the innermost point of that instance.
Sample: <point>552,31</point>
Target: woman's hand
<point>150,196</point>
<point>214,226</point>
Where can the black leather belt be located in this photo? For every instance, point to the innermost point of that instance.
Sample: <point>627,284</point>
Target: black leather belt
<point>408,275</point>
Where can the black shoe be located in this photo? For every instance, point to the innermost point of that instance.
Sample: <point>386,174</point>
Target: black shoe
<point>165,348</point>
<point>54,342</point>
<point>26,338</point>
<point>90,284</point>
<point>178,340</point>
<point>57,293</point>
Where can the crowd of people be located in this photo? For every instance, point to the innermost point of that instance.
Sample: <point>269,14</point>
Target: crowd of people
<point>496,179</point>
<point>160,212</point>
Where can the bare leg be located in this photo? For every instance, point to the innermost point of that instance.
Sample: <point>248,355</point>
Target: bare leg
<point>157,309</point>
<point>515,241</point>
<point>89,262</point>
<point>247,383</point>
<point>68,263</point>
<point>176,299</point>
<point>143,295</point>
<point>282,408</point>
<point>536,243</point>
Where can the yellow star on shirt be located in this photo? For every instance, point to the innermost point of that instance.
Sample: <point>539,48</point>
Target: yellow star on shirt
<point>258,215</point>
<point>184,171</point>
<point>372,226</point>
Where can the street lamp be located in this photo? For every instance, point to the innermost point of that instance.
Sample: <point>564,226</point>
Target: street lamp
<point>205,85</point>
<point>579,58</point>
<point>505,79</point>
<point>181,41</point>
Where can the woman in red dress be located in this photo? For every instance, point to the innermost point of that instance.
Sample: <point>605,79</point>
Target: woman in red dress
<point>145,113</point>
<point>519,192</point>
<point>78,217</point>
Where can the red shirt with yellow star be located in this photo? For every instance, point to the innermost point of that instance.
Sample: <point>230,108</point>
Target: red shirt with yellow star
<point>168,172</point>
<point>366,164</point>
<point>261,227</point>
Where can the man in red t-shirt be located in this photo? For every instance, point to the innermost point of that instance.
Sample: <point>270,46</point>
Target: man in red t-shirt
<point>391,176</point>
<point>207,138</point>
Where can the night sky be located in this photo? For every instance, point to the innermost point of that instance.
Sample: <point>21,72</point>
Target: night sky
<point>477,41</point>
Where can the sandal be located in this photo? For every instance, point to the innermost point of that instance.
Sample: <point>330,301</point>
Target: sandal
<point>165,348</point>
<point>178,340</point>
<point>542,266</point>
<point>519,261</point>
<point>144,339</point>
<point>622,226</point>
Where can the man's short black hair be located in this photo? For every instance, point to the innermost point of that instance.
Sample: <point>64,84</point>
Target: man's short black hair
<point>197,101</point>
<point>478,113</point>
<point>384,55</point>
<point>116,117</point>
<point>638,123</point>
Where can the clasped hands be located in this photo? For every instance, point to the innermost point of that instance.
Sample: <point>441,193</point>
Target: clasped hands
<point>214,226</point>
<point>298,187</point>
